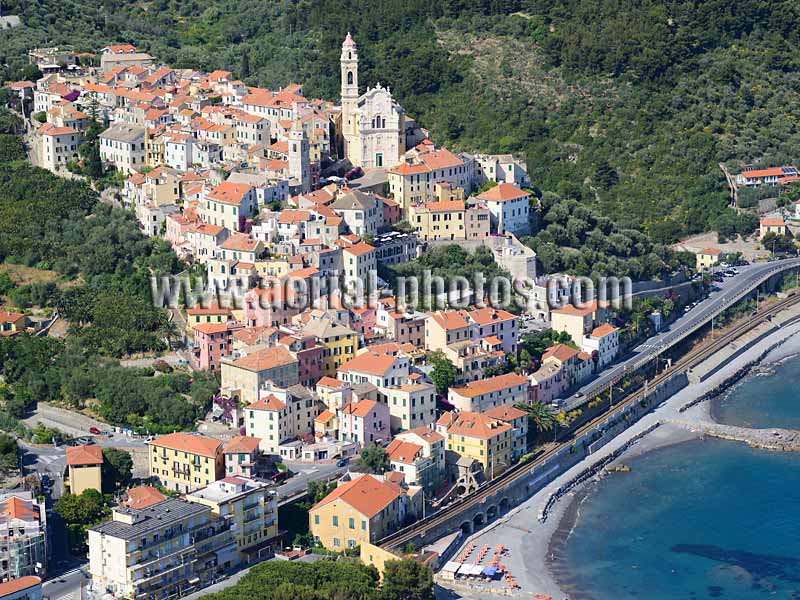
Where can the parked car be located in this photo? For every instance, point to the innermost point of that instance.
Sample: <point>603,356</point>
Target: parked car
<point>354,173</point>
<point>281,476</point>
<point>95,431</point>
<point>342,462</point>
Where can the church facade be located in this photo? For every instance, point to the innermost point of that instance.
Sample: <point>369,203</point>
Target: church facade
<point>373,125</point>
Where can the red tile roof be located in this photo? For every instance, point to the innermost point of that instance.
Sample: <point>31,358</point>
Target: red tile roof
<point>143,496</point>
<point>84,455</point>
<point>503,192</point>
<point>268,358</point>
<point>188,442</point>
<point>492,384</point>
<point>241,444</point>
<point>17,585</point>
<point>366,494</point>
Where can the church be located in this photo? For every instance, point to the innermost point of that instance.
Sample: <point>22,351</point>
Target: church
<point>373,124</point>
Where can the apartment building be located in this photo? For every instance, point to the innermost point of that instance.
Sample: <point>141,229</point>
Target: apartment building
<point>185,461</point>
<point>242,378</point>
<point>481,395</point>
<point>241,456</point>
<point>280,415</point>
<point>168,549</point>
<point>24,544</point>
<point>252,510</point>
<point>123,146</point>
<point>484,439</point>
<point>363,508</point>
<point>340,343</point>
<point>57,146</point>
<point>518,419</point>
<point>419,454</point>
<point>509,207</point>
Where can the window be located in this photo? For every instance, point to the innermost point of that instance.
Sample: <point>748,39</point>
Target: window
<point>316,519</point>
<point>351,523</point>
<point>336,542</point>
<point>335,521</point>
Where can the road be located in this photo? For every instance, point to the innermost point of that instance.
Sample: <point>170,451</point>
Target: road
<point>305,472</point>
<point>728,292</point>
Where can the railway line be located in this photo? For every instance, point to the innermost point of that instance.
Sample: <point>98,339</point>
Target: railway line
<point>692,358</point>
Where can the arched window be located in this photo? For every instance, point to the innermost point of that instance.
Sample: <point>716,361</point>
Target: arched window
<point>349,56</point>
<point>349,78</point>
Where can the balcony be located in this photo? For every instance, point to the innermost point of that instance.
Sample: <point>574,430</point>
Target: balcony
<point>143,558</point>
<point>150,575</point>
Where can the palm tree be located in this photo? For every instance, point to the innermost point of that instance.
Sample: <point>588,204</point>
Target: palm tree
<point>540,415</point>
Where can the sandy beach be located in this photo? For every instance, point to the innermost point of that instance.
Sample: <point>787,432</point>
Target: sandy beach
<point>533,545</point>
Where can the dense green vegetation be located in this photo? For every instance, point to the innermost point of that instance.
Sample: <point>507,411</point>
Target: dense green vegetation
<point>576,239</point>
<point>79,513</point>
<point>324,580</point>
<point>47,222</point>
<point>9,456</point>
<point>632,103</point>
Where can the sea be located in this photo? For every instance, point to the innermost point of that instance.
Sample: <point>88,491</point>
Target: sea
<point>701,519</point>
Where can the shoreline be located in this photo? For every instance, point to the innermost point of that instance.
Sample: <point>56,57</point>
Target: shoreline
<point>535,548</point>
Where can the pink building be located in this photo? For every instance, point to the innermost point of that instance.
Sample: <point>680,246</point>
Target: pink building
<point>266,307</point>
<point>241,455</point>
<point>309,354</point>
<point>391,211</point>
<point>212,341</point>
<point>362,320</point>
<point>365,422</point>
<point>477,222</point>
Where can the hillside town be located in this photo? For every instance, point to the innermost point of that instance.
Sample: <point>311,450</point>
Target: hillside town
<point>249,185</point>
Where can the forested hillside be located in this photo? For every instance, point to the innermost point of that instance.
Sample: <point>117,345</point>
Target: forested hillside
<point>627,105</point>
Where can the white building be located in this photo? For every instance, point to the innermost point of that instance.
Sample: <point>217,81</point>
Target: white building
<point>123,146</point>
<point>509,207</point>
<point>372,123</point>
<point>57,146</point>
<point>605,341</point>
<point>360,212</point>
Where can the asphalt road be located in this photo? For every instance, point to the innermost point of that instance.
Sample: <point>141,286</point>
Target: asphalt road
<point>305,472</point>
<point>727,293</point>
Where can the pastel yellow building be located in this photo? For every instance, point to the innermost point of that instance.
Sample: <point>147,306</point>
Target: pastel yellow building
<point>340,343</point>
<point>84,469</point>
<point>185,461</point>
<point>707,258</point>
<point>211,314</point>
<point>250,505</point>
<point>364,509</point>
<point>439,220</point>
<point>480,437</point>
<point>12,322</point>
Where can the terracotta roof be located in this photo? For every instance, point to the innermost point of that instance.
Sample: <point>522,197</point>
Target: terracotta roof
<point>492,384</point>
<point>404,452</point>
<point>446,206</point>
<point>503,192</point>
<point>268,403</point>
<point>17,508</point>
<point>10,317</point>
<point>772,222</point>
<point>427,434</point>
<point>604,330</point>
<point>452,319</point>
<point>210,328</point>
<point>331,382</point>
<point>240,242</point>
<point>268,358</point>
<point>561,352</point>
<point>241,444</point>
<point>488,315</point>
<point>505,412</point>
<point>293,217</point>
<point>711,251</point>
<point>368,362</point>
<point>366,494</point>
<point>228,192</point>
<point>84,455</point>
<point>358,249</point>
<point>324,416</point>
<point>188,442</point>
<point>19,584</point>
<point>210,310</point>
<point>477,425</point>
<point>359,409</point>
<point>440,159</point>
<point>587,309</point>
<point>143,496</point>
<point>771,172</point>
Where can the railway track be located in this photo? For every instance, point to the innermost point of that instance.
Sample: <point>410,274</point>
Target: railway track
<point>694,357</point>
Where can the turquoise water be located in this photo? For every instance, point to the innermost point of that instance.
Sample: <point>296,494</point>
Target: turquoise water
<point>764,401</point>
<point>702,519</point>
